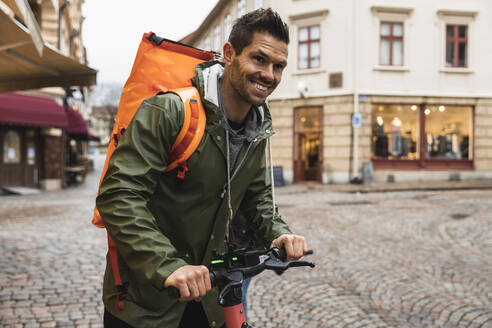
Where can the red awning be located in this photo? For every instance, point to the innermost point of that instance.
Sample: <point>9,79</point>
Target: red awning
<point>18,109</point>
<point>77,126</point>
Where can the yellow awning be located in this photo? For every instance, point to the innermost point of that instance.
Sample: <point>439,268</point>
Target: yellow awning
<point>22,67</point>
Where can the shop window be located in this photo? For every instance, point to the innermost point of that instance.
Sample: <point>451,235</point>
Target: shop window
<point>31,153</point>
<point>241,8</point>
<point>395,132</point>
<point>227,27</point>
<point>456,45</point>
<point>423,133</point>
<point>11,148</point>
<point>447,132</point>
<point>309,47</point>
<point>391,44</point>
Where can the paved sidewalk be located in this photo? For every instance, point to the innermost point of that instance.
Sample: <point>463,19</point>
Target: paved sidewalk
<point>413,186</point>
<point>52,259</point>
<point>395,259</point>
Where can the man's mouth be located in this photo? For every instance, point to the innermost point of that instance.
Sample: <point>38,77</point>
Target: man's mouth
<point>260,87</point>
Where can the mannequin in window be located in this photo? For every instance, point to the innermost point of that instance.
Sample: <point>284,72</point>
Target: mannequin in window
<point>396,137</point>
<point>381,140</point>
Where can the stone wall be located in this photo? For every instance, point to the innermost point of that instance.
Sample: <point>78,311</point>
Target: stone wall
<point>483,136</point>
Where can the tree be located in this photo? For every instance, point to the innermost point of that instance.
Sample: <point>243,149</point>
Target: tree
<point>106,94</point>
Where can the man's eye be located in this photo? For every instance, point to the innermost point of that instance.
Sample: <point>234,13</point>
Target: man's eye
<point>259,59</point>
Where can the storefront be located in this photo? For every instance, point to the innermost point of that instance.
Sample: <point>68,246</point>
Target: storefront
<point>402,138</point>
<point>433,136</point>
<point>32,137</point>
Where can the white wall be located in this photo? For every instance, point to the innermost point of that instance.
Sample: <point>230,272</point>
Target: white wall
<point>423,72</point>
<point>424,50</point>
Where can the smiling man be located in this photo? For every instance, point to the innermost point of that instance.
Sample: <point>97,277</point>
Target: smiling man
<point>165,230</point>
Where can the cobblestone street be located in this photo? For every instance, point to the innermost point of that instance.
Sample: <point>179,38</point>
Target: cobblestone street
<point>398,259</point>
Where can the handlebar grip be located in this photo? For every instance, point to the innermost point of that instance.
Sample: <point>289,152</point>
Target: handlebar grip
<point>282,255</point>
<point>173,292</point>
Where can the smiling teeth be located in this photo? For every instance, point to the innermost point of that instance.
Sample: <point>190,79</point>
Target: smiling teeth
<point>260,87</point>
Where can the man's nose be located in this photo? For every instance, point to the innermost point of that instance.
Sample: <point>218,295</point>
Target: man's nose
<point>267,74</point>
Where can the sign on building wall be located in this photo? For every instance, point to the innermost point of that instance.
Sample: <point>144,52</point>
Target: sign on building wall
<point>356,120</point>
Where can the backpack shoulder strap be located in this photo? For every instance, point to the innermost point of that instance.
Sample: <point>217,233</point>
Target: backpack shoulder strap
<point>191,132</point>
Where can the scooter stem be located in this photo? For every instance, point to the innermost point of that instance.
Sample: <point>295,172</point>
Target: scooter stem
<point>234,316</point>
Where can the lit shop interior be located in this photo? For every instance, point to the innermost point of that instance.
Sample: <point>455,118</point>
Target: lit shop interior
<point>307,144</point>
<point>422,132</point>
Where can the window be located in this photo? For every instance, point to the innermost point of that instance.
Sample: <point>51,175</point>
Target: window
<point>395,131</point>
<point>31,147</point>
<point>258,4</point>
<point>241,8</point>
<point>391,44</point>
<point>217,38</point>
<point>227,27</point>
<point>422,132</point>
<point>456,45</point>
<point>206,43</point>
<point>11,148</point>
<point>447,132</point>
<point>309,47</point>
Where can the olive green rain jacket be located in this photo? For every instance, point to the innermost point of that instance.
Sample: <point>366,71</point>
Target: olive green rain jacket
<point>160,223</point>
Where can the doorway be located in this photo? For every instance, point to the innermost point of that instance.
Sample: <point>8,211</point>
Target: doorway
<point>19,157</point>
<point>308,155</point>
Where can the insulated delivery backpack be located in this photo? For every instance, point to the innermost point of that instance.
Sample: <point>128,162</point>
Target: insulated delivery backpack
<point>160,66</point>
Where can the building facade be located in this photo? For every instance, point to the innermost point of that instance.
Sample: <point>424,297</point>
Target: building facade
<point>102,121</point>
<point>40,127</point>
<point>397,88</point>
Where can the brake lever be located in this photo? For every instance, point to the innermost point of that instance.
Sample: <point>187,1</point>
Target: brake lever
<point>279,267</point>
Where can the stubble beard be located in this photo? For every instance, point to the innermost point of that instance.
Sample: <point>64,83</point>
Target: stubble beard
<point>241,83</point>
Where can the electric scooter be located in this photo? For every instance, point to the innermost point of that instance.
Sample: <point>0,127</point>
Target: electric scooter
<point>230,269</point>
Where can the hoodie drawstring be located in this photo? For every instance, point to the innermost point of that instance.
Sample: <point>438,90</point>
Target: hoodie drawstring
<point>272,178</point>
<point>229,231</point>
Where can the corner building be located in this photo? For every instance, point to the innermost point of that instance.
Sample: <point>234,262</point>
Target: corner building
<point>400,87</point>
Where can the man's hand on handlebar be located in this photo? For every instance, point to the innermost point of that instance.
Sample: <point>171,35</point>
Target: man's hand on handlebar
<point>295,246</point>
<point>193,282</point>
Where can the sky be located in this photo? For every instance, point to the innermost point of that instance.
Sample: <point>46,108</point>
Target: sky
<point>112,29</point>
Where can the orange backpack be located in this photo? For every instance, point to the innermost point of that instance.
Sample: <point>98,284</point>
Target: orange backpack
<point>161,65</point>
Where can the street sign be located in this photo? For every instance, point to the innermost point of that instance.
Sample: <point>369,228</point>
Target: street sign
<point>356,120</point>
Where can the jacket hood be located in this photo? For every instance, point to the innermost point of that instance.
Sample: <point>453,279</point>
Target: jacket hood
<point>206,80</point>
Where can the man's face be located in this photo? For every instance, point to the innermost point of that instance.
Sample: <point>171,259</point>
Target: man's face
<point>257,71</point>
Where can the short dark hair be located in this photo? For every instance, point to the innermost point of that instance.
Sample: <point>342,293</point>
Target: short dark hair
<point>260,20</point>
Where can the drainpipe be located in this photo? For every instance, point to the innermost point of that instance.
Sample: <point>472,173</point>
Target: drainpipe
<point>355,134</point>
<point>60,15</point>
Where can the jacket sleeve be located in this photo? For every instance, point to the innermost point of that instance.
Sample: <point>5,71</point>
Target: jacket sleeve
<point>257,205</point>
<point>132,175</point>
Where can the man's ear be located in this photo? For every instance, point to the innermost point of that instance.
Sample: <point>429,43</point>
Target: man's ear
<point>228,53</point>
